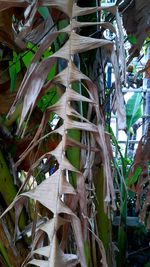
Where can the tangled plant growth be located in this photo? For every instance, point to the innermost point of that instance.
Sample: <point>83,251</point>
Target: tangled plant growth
<point>65,195</point>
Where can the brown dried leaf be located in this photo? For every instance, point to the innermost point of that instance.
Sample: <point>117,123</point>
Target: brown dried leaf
<point>121,48</point>
<point>59,154</point>
<point>77,44</point>
<point>102,250</point>
<point>69,75</point>
<point>49,226</point>
<point>63,5</point>
<point>120,104</point>
<point>55,255</point>
<point>40,263</point>
<point>105,25</point>
<point>37,74</point>
<point>73,143</point>
<point>80,11</point>
<point>34,72</point>
<point>108,186</point>
<point>81,189</point>
<point>79,239</point>
<point>86,126</point>
<point>67,258</point>
<point>48,193</point>
<point>34,86</point>
<point>5,4</point>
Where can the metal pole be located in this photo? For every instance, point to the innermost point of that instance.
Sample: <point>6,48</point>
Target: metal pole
<point>146,95</point>
<point>110,1</point>
<point>147,109</point>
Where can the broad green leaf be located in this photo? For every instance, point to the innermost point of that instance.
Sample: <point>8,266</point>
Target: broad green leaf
<point>133,109</point>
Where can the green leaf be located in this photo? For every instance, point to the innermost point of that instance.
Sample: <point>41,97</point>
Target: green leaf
<point>14,69</point>
<point>4,254</point>
<point>49,99</point>
<point>87,253</point>
<point>47,53</point>
<point>132,39</point>
<point>27,57</point>
<point>13,76</point>
<point>44,12</point>
<point>134,177</point>
<point>133,109</point>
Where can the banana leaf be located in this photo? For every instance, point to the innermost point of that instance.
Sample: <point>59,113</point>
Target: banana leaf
<point>133,109</point>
